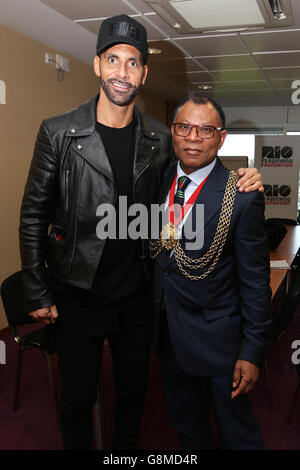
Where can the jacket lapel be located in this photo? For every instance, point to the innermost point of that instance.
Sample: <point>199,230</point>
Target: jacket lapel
<point>88,142</point>
<point>89,145</point>
<point>146,143</point>
<point>211,195</point>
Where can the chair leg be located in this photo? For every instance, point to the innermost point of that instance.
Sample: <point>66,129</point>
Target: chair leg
<point>293,403</point>
<point>266,368</point>
<point>18,379</point>
<point>53,389</point>
<point>278,359</point>
<point>99,418</point>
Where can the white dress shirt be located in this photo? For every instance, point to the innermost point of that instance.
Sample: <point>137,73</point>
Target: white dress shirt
<point>196,178</point>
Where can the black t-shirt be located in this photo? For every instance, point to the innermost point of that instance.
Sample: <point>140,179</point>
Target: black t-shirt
<point>119,274</point>
<point>119,283</point>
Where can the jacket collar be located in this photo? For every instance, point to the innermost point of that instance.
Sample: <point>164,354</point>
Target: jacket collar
<point>216,181</point>
<point>90,146</point>
<point>84,121</point>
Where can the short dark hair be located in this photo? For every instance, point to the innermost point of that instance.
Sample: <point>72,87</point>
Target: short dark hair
<point>201,99</point>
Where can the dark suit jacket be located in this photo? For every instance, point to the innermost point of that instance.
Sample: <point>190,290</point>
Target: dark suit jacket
<point>225,316</point>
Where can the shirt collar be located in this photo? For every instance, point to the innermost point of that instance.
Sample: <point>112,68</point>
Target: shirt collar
<point>197,176</point>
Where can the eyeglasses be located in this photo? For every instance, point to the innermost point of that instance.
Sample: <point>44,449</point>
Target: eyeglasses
<point>183,130</point>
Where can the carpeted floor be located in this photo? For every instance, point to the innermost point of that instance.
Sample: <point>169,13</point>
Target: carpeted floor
<point>34,425</point>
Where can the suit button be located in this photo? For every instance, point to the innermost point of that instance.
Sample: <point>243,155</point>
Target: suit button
<point>166,272</point>
<point>157,300</point>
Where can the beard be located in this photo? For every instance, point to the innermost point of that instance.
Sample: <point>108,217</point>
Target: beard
<point>120,98</point>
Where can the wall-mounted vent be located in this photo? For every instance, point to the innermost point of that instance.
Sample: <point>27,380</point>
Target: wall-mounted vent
<point>201,16</point>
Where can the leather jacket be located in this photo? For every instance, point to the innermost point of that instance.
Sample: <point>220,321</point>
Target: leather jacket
<point>69,176</point>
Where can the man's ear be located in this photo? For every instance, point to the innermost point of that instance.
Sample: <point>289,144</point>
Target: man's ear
<point>145,73</point>
<point>97,66</point>
<point>222,138</point>
<point>172,129</point>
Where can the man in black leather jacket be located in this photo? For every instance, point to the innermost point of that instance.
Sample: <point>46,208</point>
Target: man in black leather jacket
<point>95,288</point>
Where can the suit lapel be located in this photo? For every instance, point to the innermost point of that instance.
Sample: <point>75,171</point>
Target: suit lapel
<point>211,195</point>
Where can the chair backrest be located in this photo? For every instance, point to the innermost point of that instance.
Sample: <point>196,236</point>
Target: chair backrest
<point>276,231</point>
<point>279,221</point>
<point>12,294</point>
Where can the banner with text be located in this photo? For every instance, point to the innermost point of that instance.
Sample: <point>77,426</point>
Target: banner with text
<point>278,158</point>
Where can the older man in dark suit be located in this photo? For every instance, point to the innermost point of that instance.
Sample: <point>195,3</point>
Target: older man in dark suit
<point>212,315</point>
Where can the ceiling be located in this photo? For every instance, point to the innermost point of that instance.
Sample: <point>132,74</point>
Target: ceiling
<point>254,67</point>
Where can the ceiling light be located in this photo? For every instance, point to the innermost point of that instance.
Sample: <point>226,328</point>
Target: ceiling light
<point>200,16</point>
<point>205,87</point>
<point>154,51</point>
<point>210,13</point>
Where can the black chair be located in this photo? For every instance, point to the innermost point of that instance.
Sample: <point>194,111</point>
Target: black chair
<point>276,231</point>
<point>291,301</point>
<point>13,301</point>
<point>280,221</point>
<point>281,322</point>
<point>12,294</point>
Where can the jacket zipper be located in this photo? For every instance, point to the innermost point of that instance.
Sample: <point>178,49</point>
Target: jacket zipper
<point>76,214</point>
<point>67,172</point>
<point>144,244</point>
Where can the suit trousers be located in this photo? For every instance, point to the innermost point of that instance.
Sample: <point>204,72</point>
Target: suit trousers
<point>191,398</point>
<point>80,361</point>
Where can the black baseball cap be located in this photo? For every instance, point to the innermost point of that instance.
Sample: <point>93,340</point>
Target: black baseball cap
<point>122,29</point>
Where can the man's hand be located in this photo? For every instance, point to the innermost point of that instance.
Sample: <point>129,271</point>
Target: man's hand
<point>245,376</point>
<point>250,180</point>
<point>46,315</point>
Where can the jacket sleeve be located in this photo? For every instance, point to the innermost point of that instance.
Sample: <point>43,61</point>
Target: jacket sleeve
<point>36,216</point>
<point>253,271</point>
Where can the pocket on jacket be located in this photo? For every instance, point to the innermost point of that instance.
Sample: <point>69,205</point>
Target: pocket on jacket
<point>213,313</point>
<point>56,234</point>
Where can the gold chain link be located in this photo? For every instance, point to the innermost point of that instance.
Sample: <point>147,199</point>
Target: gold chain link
<point>183,261</point>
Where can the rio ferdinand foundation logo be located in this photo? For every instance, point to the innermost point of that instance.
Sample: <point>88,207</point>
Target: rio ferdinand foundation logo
<point>276,156</point>
<point>296,94</point>
<point>276,194</point>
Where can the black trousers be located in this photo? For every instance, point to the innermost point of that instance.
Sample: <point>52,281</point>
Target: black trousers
<point>190,399</point>
<point>80,360</point>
